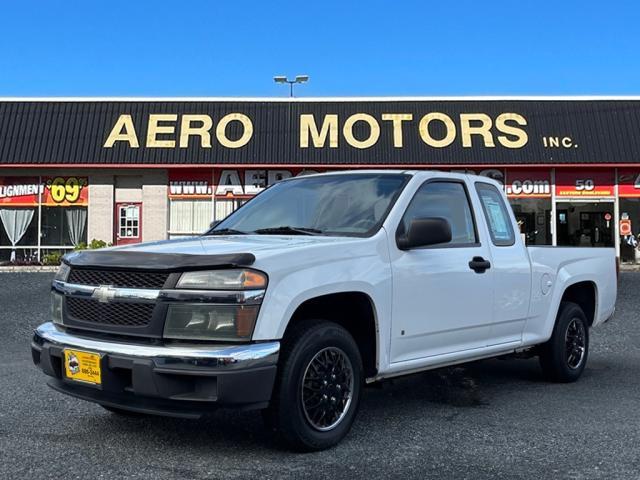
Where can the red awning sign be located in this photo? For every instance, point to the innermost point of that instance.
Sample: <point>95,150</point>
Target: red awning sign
<point>584,183</point>
<point>528,183</point>
<point>52,191</point>
<point>628,183</point>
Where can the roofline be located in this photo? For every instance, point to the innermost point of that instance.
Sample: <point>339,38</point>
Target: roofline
<point>330,99</point>
<point>310,166</point>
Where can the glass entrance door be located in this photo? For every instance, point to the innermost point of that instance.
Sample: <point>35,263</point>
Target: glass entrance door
<point>585,224</point>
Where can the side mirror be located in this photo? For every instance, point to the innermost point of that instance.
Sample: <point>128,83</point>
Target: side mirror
<point>424,232</point>
<point>214,224</point>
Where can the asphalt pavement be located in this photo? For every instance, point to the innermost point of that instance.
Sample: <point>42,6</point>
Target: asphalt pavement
<point>490,419</point>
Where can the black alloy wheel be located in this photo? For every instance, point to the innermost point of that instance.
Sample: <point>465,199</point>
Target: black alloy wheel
<point>327,388</point>
<point>575,343</point>
<point>318,386</point>
<point>564,356</point>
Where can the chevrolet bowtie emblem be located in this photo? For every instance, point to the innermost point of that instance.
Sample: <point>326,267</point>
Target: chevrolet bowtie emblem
<point>104,293</point>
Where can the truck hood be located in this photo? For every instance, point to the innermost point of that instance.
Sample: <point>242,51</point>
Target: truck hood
<point>269,252</point>
<point>223,244</point>
<point>259,245</point>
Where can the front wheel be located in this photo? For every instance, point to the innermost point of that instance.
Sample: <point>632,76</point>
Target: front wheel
<point>564,356</point>
<point>317,391</point>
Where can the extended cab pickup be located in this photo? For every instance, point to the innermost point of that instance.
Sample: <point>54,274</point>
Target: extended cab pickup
<point>319,285</point>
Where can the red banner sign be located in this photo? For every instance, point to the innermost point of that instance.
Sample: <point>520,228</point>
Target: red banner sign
<point>193,184</point>
<point>628,183</point>
<point>584,183</point>
<point>65,191</point>
<point>528,183</point>
<point>20,191</point>
<point>51,191</point>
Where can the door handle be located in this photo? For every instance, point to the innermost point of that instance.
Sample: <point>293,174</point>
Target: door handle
<point>479,264</point>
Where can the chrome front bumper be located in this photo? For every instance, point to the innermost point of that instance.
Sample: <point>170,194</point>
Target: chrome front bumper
<point>180,379</point>
<point>229,357</point>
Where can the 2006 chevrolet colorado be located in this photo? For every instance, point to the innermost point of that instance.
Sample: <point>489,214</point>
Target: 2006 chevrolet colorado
<point>320,284</point>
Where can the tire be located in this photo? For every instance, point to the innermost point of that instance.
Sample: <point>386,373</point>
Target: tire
<point>564,356</point>
<point>315,352</point>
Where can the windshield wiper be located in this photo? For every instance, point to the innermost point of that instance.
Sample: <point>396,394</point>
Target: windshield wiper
<point>288,230</point>
<point>226,231</point>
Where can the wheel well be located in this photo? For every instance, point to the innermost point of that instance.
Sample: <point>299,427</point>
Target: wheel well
<point>353,311</point>
<point>583,294</point>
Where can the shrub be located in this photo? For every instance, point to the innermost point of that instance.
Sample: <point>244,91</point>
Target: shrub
<point>94,244</point>
<point>80,246</point>
<point>53,258</point>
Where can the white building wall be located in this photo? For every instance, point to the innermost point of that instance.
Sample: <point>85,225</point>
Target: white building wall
<point>155,203</point>
<point>100,215</point>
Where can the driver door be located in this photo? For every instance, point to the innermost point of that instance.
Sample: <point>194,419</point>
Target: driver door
<point>441,304</point>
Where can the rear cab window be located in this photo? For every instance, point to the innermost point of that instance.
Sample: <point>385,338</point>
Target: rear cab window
<point>496,215</point>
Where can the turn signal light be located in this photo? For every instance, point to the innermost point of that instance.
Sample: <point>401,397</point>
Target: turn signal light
<point>232,279</point>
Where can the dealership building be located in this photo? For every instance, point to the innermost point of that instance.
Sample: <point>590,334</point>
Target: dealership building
<point>131,170</point>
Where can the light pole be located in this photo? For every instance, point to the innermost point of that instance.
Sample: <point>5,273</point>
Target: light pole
<point>298,79</point>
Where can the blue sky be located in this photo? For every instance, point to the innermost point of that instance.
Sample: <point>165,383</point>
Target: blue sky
<point>233,48</point>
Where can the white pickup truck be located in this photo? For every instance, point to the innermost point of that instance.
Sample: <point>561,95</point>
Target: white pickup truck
<point>319,285</point>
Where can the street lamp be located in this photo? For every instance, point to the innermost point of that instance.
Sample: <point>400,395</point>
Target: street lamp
<point>298,79</point>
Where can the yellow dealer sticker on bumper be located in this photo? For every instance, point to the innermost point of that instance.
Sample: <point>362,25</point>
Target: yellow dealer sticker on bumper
<point>82,366</point>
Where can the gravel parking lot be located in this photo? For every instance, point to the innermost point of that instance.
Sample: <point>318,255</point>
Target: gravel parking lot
<point>490,419</point>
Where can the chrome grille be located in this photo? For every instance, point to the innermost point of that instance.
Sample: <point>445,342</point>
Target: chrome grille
<point>123,314</point>
<point>118,278</point>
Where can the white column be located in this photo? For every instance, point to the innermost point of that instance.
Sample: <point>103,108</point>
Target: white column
<point>100,214</point>
<point>554,233</point>
<point>39,217</point>
<point>616,216</point>
<point>154,206</point>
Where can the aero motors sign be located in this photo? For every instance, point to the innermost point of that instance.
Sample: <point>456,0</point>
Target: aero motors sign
<point>171,130</point>
<point>584,183</point>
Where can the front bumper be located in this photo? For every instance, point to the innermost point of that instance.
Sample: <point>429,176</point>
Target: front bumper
<point>175,379</point>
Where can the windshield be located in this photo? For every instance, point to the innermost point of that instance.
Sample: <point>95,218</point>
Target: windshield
<point>354,204</point>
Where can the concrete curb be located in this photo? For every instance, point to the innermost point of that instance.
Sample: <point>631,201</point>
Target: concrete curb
<point>28,268</point>
<point>629,268</point>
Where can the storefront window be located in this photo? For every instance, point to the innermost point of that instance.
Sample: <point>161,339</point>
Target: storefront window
<point>534,217</point>
<point>40,212</point>
<point>529,192</point>
<point>63,226</point>
<point>190,217</point>
<point>585,224</point>
<point>630,230</point>
<point>629,192</point>
<point>19,229</point>
<point>226,207</point>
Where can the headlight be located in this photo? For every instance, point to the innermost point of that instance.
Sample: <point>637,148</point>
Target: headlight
<point>56,308</point>
<point>210,322</point>
<point>235,279</point>
<point>63,272</point>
